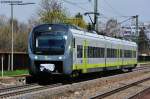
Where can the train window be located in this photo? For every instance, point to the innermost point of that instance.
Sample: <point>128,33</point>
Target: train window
<point>85,51</point>
<point>130,54</point>
<point>73,42</point>
<point>102,52</point>
<point>79,51</point>
<point>89,52</point>
<point>92,48</point>
<point>115,53</point>
<point>94,56</point>
<point>121,53</point>
<point>134,54</point>
<point>111,53</point>
<point>127,53</point>
<point>92,52</point>
<point>108,52</point>
<point>95,52</point>
<point>98,52</point>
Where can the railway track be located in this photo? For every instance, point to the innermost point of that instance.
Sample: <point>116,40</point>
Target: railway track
<point>18,90</point>
<point>114,91</point>
<point>2,90</point>
<point>141,68</point>
<point>28,88</point>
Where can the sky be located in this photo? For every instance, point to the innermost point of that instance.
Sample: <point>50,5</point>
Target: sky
<point>107,8</point>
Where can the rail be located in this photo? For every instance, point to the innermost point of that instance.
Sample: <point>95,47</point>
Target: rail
<point>100,96</point>
<point>18,90</point>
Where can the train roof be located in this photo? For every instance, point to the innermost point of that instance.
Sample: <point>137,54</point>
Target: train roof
<point>98,37</point>
<point>78,31</point>
<point>63,27</point>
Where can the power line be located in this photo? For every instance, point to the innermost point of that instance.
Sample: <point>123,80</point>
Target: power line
<point>103,16</point>
<point>75,4</point>
<point>82,2</point>
<point>112,8</point>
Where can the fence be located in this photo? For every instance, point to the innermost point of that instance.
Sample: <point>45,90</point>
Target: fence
<point>21,60</point>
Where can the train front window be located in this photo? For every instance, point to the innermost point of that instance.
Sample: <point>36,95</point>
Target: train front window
<point>51,43</point>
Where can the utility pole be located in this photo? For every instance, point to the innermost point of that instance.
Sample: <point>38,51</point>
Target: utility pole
<point>95,15</point>
<point>137,25</point>
<point>12,40</point>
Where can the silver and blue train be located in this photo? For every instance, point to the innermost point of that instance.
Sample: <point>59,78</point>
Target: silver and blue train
<point>60,49</point>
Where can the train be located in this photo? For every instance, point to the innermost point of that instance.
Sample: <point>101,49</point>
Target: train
<point>61,49</point>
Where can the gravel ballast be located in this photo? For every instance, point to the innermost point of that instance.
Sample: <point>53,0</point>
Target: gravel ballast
<point>86,89</point>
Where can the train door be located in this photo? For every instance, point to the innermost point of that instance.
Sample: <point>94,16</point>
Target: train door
<point>85,56</point>
<point>118,59</point>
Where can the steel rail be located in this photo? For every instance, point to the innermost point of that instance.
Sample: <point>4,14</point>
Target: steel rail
<point>100,96</point>
<point>16,87</point>
<point>141,93</point>
<point>27,90</point>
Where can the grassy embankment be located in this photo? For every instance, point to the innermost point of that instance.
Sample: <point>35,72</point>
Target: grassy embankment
<point>142,62</point>
<point>22,72</point>
<point>14,73</point>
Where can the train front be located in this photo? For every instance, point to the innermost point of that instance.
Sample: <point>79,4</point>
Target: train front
<point>48,49</point>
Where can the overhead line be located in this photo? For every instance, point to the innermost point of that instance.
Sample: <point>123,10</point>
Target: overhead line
<point>75,4</point>
<point>112,8</point>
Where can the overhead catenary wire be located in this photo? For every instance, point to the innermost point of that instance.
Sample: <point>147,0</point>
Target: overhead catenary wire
<point>101,15</point>
<point>112,8</point>
<point>75,4</point>
<point>78,6</point>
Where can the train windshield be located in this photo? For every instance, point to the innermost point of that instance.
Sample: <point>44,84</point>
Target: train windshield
<point>52,43</point>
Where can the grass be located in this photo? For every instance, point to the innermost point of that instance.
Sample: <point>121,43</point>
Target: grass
<point>144,62</point>
<point>14,73</point>
<point>21,72</point>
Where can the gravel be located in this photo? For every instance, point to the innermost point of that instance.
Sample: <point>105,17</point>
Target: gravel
<point>86,89</point>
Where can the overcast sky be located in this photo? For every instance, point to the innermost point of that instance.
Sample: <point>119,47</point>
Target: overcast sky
<point>109,8</point>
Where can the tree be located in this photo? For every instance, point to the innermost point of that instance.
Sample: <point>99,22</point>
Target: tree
<point>33,21</point>
<point>5,38</point>
<point>78,15</point>
<point>51,11</point>
<point>77,20</point>
<point>112,28</point>
<point>20,35</point>
<point>15,24</point>
<point>3,20</point>
<point>143,43</point>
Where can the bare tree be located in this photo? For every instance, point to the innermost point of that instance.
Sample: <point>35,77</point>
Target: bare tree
<point>3,20</point>
<point>112,28</point>
<point>20,35</point>
<point>5,38</point>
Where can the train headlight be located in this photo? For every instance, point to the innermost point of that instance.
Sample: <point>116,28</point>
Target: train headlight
<point>69,47</point>
<point>60,57</point>
<point>50,28</point>
<point>65,37</point>
<point>35,57</point>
